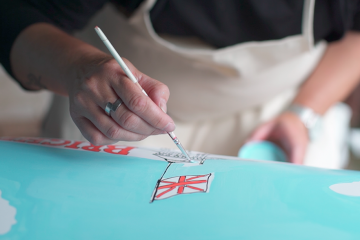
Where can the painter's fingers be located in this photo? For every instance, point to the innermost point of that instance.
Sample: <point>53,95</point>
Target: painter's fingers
<point>90,132</point>
<point>157,91</point>
<point>140,104</point>
<point>262,132</point>
<point>100,129</point>
<point>122,116</point>
<point>133,123</point>
<point>136,129</point>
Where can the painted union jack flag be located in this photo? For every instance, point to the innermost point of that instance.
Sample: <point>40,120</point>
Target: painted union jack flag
<point>173,186</point>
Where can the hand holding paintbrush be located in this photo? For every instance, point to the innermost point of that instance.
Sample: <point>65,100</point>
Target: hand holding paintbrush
<point>113,106</point>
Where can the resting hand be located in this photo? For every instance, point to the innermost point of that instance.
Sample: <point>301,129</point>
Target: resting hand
<point>139,116</point>
<point>288,132</point>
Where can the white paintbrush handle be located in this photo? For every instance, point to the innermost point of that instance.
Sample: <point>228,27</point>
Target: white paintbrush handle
<point>115,54</point>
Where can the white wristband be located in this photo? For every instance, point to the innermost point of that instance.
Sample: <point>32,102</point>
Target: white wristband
<point>308,117</point>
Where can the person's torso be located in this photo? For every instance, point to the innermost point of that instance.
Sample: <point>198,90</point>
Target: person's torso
<point>228,22</point>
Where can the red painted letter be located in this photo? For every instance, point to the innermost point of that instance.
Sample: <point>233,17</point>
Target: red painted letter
<point>92,148</point>
<point>116,149</point>
<point>75,145</point>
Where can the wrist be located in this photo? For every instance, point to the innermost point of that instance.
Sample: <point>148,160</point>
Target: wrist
<point>309,118</point>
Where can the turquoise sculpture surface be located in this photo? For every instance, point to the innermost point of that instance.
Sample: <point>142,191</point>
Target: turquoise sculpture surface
<point>57,189</point>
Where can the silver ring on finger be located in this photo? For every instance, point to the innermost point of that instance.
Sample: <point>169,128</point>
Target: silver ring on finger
<point>111,107</point>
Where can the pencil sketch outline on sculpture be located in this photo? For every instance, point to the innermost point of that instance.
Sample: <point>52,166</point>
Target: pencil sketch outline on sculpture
<point>177,157</point>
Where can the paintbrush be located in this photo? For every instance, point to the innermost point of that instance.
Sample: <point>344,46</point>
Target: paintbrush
<point>127,71</point>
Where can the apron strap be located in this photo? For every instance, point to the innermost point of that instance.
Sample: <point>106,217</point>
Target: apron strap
<point>308,22</point>
<point>144,7</point>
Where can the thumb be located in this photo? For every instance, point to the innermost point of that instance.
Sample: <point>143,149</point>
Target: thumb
<point>157,91</point>
<point>297,155</point>
<point>262,132</point>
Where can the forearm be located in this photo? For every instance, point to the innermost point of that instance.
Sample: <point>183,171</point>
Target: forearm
<point>46,57</point>
<point>334,78</point>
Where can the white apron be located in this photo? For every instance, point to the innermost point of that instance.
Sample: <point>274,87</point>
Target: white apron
<point>218,96</point>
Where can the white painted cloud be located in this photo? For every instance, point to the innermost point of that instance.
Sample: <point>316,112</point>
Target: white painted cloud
<point>350,189</point>
<point>7,215</point>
